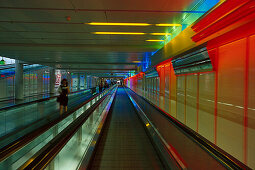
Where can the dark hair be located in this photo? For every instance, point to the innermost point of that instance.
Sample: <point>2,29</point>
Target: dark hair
<point>63,81</point>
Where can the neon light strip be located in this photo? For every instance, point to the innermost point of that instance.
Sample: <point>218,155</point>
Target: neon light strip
<point>154,40</point>
<point>129,33</point>
<point>168,25</point>
<point>119,24</point>
<point>119,33</point>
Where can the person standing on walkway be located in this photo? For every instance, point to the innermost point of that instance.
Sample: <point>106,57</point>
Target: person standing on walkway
<point>63,90</point>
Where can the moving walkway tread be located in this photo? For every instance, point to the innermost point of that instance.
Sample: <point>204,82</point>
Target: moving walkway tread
<point>124,143</point>
<point>198,152</point>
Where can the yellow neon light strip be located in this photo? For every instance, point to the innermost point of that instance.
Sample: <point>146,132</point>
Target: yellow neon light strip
<point>168,25</point>
<point>119,24</point>
<point>119,33</point>
<point>155,40</point>
<point>158,33</point>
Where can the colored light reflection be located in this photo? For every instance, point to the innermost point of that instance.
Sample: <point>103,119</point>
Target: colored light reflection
<point>119,24</point>
<point>168,25</point>
<point>158,33</point>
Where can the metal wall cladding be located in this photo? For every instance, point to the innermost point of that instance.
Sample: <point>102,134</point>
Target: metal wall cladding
<point>219,105</point>
<point>35,79</point>
<point>251,104</point>
<point>197,61</point>
<point>151,73</point>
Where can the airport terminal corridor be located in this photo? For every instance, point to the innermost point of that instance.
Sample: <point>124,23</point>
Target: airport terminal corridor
<point>113,84</point>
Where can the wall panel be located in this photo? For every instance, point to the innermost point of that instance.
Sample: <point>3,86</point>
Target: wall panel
<point>173,91</point>
<point>206,105</point>
<point>162,80</point>
<point>231,71</point>
<point>191,101</point>
<point>167,88</point>
<point>167,80</point>
<point>251,104</point>
<point>180,98</point>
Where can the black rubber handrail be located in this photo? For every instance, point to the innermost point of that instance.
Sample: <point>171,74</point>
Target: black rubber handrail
<point>42,158</point>
<point>222,156</point>
<point>36,101</point>
<point>12,147</point>
<point>24,127</point>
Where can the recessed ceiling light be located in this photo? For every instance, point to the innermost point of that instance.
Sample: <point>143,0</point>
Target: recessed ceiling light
<point>168,25</point>
<point>119,33</point>
<point>155,40</point>
<point>118,24</point>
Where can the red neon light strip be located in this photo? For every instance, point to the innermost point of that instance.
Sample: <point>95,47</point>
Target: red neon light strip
<point>246,86</point>
<point>216,96</point>
<point>224,9</point>
<point>170,85</point>
<point>197,100</point>
<point>185,101</point>
<point>225,21</point>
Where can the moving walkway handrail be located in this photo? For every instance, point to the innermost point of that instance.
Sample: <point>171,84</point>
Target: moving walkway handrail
<point>12,147</point>
<point>219,154</point>
<point>7,66</point>
<point>42,158</point>
<point>169,157</point>
<point>35,122</point>
<point>36,101</point>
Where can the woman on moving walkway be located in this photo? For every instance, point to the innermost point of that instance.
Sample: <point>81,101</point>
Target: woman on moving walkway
<point>63,90</point>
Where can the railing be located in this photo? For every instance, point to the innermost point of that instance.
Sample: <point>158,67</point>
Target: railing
<point>17,118</point>
<point>39,100</point>
<point>31,141</point>
<point>86,124</point>
<point>170,159</point>
<point>221,156</point>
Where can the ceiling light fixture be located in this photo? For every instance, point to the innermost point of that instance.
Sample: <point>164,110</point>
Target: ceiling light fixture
<point>158,33</point>
<point>154,40</point>
<point>168,25</point>
<point>118,24</point>
<point>119,33</point>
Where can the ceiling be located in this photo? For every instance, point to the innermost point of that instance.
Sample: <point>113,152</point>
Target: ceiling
<point>37,31</point>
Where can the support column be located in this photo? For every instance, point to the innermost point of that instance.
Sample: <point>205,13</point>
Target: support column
<point>88,81</point>
<point>85,81</point>
<point>78,81</point>
<point>52,80</point>
<point>19,86</point>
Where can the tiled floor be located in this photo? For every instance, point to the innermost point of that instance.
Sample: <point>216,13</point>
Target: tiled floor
<point>124,144</point>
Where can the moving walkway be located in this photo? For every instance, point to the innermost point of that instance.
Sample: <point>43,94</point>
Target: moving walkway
<point>120,130</point>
